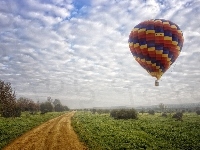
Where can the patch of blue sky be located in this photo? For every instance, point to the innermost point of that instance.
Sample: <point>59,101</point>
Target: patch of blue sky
<point>78,4</point>
<point>81,8</point>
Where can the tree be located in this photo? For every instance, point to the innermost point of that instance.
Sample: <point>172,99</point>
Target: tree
<point>162,107</point>
<point>46,107</point>
<point>23,103</point>
<point>142,111</point>
<point>49,99</point>
<point>151,112</point>
<point>27,104</point>
<point>8,105</point>
<point>58,108</point>
<point>56,101</point>
<point>66,108</point>
<point>198,112</point>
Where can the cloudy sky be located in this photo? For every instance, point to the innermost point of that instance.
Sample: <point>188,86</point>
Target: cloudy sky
<point>77,51</point>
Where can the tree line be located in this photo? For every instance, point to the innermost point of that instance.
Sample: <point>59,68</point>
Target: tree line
<point>10,106</point>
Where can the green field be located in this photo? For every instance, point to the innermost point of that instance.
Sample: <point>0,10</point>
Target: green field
<point>147,132</point>
<point>11,128</point>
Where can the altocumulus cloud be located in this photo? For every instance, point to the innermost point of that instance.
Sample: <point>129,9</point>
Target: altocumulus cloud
<point>78,51</point>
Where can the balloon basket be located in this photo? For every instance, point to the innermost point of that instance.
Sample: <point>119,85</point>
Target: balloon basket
<point>156,83</point>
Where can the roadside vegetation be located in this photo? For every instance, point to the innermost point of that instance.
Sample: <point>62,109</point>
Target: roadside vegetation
<point>10,106</point>
<point>149,131</point>
<point>20,115</point>
<point>11,128</point>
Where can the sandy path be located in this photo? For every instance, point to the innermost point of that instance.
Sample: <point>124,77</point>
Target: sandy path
<point>56,134</point>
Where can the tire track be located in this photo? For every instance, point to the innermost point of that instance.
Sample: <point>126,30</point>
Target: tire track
<point>56,134</point>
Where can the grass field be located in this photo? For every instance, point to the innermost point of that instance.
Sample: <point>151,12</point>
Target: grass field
<point>148,132</point>
<point>11,128</point>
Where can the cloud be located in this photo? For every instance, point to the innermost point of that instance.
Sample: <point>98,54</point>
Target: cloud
<point>78,51</point>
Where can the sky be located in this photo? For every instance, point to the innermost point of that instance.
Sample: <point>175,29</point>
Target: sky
<point>77,51</point>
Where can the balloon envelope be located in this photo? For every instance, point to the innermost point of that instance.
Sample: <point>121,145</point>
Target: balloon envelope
<point>155,44</point>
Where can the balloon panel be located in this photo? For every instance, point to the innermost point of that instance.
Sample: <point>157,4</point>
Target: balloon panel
<point>155,45</point>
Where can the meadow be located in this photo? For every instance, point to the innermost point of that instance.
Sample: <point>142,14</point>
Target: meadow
<point>100,131</point>
<point>11,128</point>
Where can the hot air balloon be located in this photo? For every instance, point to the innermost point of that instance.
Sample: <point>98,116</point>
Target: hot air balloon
<point>156,44</point>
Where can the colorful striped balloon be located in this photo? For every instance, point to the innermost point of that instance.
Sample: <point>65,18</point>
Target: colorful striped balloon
<point>155,45</point>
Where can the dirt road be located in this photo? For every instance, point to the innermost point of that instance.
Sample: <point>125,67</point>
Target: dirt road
<point>56,134</point>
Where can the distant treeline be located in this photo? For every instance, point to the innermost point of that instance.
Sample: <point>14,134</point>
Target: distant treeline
<point>159,109</point>
<point>10,106</point>
<point>131,113</point>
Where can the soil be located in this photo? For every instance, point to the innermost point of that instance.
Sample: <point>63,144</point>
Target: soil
<point>56,134</point>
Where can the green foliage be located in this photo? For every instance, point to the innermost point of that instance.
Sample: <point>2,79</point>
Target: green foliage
<point>100,111</point>
<point>147,132</point>
<point>12,128</point>
<point>151,112</point>
<point>93,111</point>
<point>13,111</point>
<point>124,114</point>
<point>46,107</point>
<point>8,105</point>
<point>164,114</point>
<point>27,104</point>
<point>56,101</point>
<point>142,111</point>
<point>66,108</point>
<point>58,108</point>
<point>198,112</point>
<point>178,116</point>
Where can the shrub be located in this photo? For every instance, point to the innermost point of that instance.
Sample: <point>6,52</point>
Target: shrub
<point>124,114</point>
<point>178,116</point>
<point>151,112</point>
<point>43,112</point>
<point>102,111</point>
<point>142,111</point>
<point>164,114</point>
<point>198,112</point>
<point>183,111</point>
<point>93,111</point>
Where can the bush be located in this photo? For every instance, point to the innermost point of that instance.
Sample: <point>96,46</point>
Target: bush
<point>93,111</point>
<point>102,111</point>
<point>178,116</point>
<point>198,112</point>
<point>142,111</point>
<point>124,114</point>
<point>183,111</point>
<point>164,115</point>
<point>151,112</point>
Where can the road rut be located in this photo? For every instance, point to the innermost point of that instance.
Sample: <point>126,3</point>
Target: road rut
<point>55,134</point>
